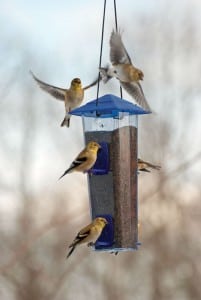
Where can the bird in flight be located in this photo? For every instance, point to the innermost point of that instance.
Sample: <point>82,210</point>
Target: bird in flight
<point>123,69</point>
<point>72,97</point>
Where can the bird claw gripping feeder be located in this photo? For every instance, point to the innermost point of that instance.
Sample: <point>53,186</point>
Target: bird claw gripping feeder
<point>112,122</point>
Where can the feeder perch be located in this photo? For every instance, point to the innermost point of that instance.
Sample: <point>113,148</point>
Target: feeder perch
<point>112,122</point>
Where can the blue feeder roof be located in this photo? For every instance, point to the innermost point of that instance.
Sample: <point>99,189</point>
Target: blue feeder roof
<point>108,106</point>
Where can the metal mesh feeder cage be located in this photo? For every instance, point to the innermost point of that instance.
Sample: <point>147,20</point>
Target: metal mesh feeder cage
<point>112,122</point>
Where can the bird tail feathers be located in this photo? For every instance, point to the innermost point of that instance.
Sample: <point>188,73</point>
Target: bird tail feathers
<point>70,252</point>
<point>66,172</point>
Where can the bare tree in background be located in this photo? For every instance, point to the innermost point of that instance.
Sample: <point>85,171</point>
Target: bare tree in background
<point>167,265</point>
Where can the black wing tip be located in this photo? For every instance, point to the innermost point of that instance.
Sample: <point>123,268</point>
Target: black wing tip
<point>66,172</point>
<point>145,170</point>
<point>70,252</point>
<point>62,176</point>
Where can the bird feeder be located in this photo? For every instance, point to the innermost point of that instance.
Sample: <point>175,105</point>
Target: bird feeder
<point>112,122</point>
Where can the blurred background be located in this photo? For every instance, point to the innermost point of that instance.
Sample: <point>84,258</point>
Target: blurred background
<point>39,215</point>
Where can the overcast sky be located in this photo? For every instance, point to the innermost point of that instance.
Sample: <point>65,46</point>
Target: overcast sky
<point>60,40</point>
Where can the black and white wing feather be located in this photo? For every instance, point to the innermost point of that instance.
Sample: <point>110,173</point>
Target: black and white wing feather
<point>134,89</point>
<point>56,92</point>
<point>118,53</point>
<point>76,163</point>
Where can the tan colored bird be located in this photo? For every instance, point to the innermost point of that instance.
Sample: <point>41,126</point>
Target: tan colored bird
<point>85,160</point>
<point>145,166</point>
<point>72,97</point>
<point>123,69</point>
<point>88,234</point>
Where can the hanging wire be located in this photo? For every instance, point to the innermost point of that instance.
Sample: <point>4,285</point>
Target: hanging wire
<point>116,26</point>
<point>101,47</point>
<point>115,15</point>
<point>101,51</point>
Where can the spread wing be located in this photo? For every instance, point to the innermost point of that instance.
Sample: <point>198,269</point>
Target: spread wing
<point>118,53</point>
<point>92,84</point>
<point>134,89</point>
<point>56,92</point>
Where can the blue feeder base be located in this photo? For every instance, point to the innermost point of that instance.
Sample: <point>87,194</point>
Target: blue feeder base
<point>114,250</point>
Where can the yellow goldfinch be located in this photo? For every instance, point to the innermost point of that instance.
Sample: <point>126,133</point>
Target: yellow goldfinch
<point>145,166</point>
<point>72,97</point>
<point>123,69</point>
<point>88,234</point>
<point>85,160</point>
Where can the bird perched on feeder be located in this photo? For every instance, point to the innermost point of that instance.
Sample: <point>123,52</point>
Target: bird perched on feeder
<point>85,160</point>
<point>123,69</point>
<point>88,234</point>
<point>72,97</point>
<point>145,166</point>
